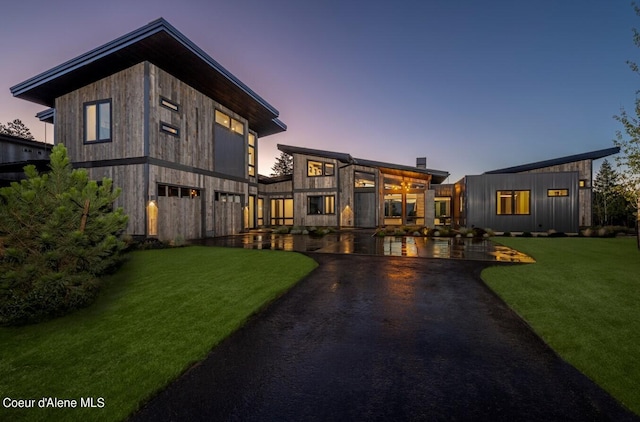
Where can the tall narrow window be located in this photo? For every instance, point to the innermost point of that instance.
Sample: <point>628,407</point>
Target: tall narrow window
<point>97,121</point>
<point>513,202</point>
<point>252,154</point>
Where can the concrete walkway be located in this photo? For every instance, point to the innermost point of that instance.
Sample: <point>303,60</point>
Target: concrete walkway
<point>384,338</point>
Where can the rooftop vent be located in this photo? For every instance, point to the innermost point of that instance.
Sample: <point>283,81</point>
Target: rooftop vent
<point>421,162</point>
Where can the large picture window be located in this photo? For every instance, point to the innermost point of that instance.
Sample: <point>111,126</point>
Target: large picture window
<point>97,121</point>
<point>321,204</point>
<point>282,212</point>
<point>513,202</point>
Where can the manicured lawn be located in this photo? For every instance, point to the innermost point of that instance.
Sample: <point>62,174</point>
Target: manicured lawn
<point>583,298</point>
<point>163,311</point>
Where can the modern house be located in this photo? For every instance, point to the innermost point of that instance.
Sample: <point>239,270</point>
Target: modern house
<point>180,135</point>
<point>335,189</point>
<point>168,124</point>
<point>547,195</point>
<point>15,153</point>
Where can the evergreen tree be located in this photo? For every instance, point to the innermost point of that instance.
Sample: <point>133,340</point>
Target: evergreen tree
<point>58,234</point>
<point>283,165</point>
<point>16,128</point>
<point>610,206</point>
<point>628,140</point>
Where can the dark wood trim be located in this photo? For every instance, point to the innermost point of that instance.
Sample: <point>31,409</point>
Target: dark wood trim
<point>109,163</point>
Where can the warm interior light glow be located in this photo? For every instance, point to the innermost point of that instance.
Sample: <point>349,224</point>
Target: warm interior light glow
<point>152,216</point>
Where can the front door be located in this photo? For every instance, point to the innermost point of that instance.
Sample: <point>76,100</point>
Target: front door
<point>365,208</point>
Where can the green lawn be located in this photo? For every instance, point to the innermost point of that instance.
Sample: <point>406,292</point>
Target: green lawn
<point>583,298</point>
<point>162,311</point>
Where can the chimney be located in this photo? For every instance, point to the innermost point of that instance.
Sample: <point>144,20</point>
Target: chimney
<point>421,162</point>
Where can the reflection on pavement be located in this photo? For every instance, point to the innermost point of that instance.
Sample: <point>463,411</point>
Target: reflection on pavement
<point>363,243</point>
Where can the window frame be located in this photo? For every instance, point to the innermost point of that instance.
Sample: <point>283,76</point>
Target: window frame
<point>169,129</point>
<point>557,193</point>
<point>324,165</point>
<point>169,104</point>
<point>513,204</point>
<point>324,202</point>
<point>85,132</point>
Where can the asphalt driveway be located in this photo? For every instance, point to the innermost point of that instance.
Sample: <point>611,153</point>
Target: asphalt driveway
<point>383,338</point>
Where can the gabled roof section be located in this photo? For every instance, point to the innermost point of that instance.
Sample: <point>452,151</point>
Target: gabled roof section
<point>593,155</point>
<point>163,45</point>
<point>437,176</point>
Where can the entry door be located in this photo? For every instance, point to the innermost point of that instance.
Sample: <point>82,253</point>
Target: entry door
<point>365,209</point>
<point>227,214</point>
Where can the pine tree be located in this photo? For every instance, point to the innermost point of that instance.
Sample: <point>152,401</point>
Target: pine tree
<point>16,128</point>
<point>628,140</point>
<point>283,165</point>
<point>605,188</point>
<point>58,234</point>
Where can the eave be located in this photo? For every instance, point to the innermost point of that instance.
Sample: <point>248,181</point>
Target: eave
<point>593,155</point>
<point>163,45</point>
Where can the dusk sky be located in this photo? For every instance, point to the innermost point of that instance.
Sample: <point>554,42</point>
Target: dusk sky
<point>472,85</point>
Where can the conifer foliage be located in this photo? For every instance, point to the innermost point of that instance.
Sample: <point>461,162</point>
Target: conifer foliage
<point>59,233</point>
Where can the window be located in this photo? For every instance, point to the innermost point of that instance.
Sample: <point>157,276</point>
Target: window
<point>97,121</point>
<point>170,129</point>
<point>223,119</point>
<point>237,127</point>
<point>393,205</point>
<point>321,204</point>
<point>364,180</point>
<point>329,169</point>
<point>228,197</point>
<point>252,154</point>
<point>177,191</point>
<point>513,202</point>
<point>443,207</point>
<point>169,104</point>
<point>317,168</point>
<point>282,212</point>
<point>557,192</point>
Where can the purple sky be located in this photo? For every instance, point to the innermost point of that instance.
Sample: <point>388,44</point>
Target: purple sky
<point>472,85</point>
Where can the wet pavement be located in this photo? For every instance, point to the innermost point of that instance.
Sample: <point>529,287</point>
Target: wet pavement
<point>364,243</point>
<point>384,338</point>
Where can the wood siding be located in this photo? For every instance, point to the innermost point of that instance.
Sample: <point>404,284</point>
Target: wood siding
<point>190,156</point>
<point>126,91</point>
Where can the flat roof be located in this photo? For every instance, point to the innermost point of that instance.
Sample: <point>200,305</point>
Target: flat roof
<point>593,155</point>
<point>161,44</point>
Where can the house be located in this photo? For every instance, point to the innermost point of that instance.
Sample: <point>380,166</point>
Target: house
<point>180,135</point>
<point>336,189</point>
<point>547,195</point>
<point>16,153</point>
<point>171,126</point>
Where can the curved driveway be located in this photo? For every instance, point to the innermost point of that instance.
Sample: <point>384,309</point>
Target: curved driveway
<point>380,338</point>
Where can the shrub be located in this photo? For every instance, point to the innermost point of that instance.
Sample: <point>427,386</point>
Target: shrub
<point>506,234</point>
<point>281,230</point>
<point>60,234</point>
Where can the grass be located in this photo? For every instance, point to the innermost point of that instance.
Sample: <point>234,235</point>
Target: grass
<point>581,297</point>
<point>163,311</point>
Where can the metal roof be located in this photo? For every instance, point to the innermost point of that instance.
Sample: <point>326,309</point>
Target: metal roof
<point>593,155</point>
<point>161,44</point>
<point>437,176</point>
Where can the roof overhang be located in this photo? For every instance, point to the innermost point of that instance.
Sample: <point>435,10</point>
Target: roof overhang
<point>593,155</point>
<point>164,46</point>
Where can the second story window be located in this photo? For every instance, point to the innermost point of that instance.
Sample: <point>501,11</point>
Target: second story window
<point>317,168</point>
<point>252,154</point>
<point>97,121</point>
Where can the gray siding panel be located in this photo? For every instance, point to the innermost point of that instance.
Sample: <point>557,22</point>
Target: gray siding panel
<point>229,152</point>
<point>558,213</point>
